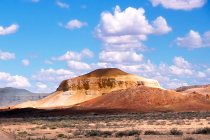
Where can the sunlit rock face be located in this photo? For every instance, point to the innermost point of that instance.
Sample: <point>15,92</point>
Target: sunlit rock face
<point>89,86</point>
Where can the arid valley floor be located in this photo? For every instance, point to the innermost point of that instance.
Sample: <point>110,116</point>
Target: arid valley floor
<point>132,126</point>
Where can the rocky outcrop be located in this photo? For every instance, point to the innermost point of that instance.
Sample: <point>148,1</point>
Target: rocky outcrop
<point>89,86</point>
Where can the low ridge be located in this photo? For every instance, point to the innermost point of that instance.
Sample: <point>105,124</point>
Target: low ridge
<point>201,89</point>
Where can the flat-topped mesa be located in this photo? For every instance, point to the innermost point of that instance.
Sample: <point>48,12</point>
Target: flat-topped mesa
<point>89,86</point>
<point>104,80</point>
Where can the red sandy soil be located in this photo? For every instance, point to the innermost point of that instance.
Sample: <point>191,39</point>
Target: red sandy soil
<point>147,99</point>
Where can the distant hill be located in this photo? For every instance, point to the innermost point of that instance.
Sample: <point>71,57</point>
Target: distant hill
<point>201,89</point>
<point>11,96</point>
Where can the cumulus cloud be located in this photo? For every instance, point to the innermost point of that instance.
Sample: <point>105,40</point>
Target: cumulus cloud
<point>181,67</point>
<point>120,57</point>
<point>77,65</point>
<point>179,4</point>
<point>180,73</point>
<point>62,4</point>
<point>175,83</point>
<point>25,62</point>
<point>87,53</point>
<point>161,26</point>
<point>181,62</point>
<point>72,55</point>
<point>41,86</point>
<point>6,55</point>
<point>74,24</point>
<point>201,74</point>
<point>52,75</point>
<point>69,55</point>
<point>47,80</point>
<point>127,29</point>
<point>194,40</point>
<point>9,30</point>
<point>8,80</point>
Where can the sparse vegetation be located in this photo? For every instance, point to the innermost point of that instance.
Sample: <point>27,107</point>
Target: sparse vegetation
<point>151,132</point>
<point>205,130</point>
<point>23,133</point>
<point>108,126</point>
<point>93,133</point>
<point>61,136</point>
<point>43,127</point>
<point>175,132</point>
<point>127,133</point>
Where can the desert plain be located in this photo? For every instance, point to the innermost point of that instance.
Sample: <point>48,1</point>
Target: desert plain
<point>88,126</point>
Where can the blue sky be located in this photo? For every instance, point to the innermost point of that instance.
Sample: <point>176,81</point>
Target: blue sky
<point>43,42</point>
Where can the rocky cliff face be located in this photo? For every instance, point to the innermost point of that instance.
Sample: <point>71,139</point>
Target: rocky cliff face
<point>104,80</point>
<point>91,85</point>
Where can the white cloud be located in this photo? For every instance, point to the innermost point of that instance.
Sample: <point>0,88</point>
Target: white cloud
<point>8,80</point>
<point>161,26</point>
<point>41,86</point>
<point>6,55</point>
<point>127,29</point>
<point>25,62</point>
<point>180,71</point>
<point>120,57</point>
<point>47,80</point>
<point>181,67</point>
<point>9,30</point>
<point>179,4</point>
<point>194,40</point>
<point>87,53</point>
<point>181,62</point>
<point>173,84</point>
<point>201,74</point>
<point>77,65</point>
<point>71,55</point>
<point>75,24</point>
<point>191,40</point>
<point>62,4</point>
<point>52,75</point>
<point>208,70</point>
